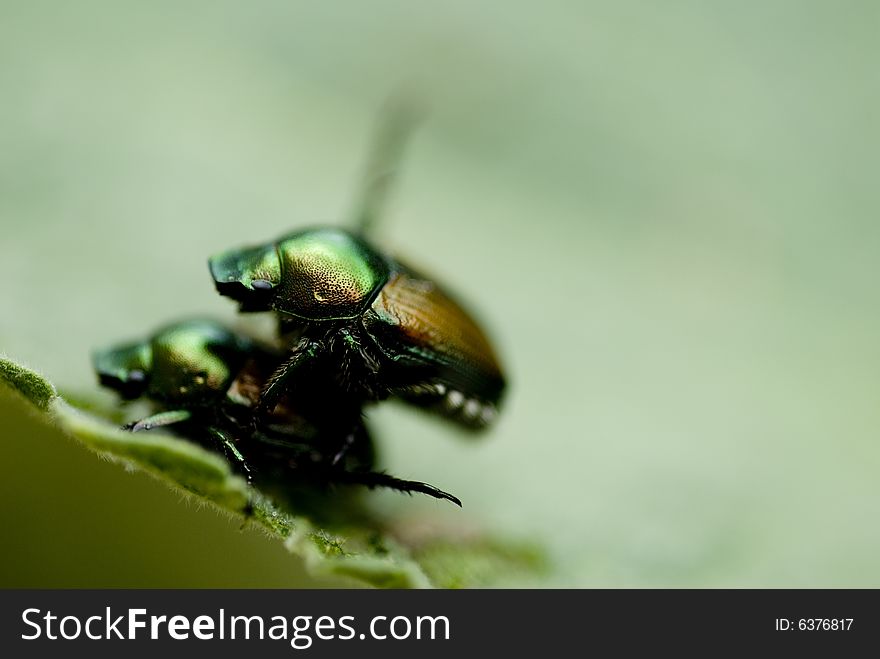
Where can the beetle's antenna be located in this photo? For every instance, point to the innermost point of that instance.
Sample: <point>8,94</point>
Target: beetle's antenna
<point>396,122</point>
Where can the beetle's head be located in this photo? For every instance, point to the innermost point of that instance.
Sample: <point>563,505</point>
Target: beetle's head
<point>316,275</point>
<point>248,275</point>
<point>125,368</point>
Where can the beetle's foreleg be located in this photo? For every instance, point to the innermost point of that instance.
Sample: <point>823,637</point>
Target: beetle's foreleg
<point>158,420</point>
<point>232,452</point>
<point>303,354</point>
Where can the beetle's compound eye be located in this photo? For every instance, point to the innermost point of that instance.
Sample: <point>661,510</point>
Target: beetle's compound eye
<point>137,376</point>
<point>262,285</point>
<point>247,275</point>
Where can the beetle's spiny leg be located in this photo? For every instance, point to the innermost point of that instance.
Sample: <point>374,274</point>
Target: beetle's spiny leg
<point>232,452</point>
<point>374,479</point>
<point>305,352</point>
<point>396,123</point>
<point>158,420</point>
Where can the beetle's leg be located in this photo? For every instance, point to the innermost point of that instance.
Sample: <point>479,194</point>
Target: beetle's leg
<point>270,437</point>
<point>348,430</point>
<point>232,452</point>
<point>347,443</point>
<point>396,122</point>
<point>303,354</point>
<point>356,446</point>
<point>373,479</point>
<point>363,453</point>
<point>234,455</point>
<point>158,420</point>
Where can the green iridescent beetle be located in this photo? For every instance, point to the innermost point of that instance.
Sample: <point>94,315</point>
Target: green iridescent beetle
<point>360,324</point>
<point>206,379</point>
<point>391,331</point>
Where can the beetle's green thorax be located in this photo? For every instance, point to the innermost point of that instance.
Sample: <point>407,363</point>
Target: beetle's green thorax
<point>193,361</point>
<point>328,274</point>
<point>316,274</point>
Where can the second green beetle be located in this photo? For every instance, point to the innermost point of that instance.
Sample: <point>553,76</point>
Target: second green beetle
<point>204,378</point>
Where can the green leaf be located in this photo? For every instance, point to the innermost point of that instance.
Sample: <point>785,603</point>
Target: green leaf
<point>480,562</point>
<point>28,383</point>
<point>183,463</point>
<point>362,552</point>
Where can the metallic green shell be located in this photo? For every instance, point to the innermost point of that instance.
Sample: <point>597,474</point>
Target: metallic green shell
<point>315,274</point>
<point>190,362</point>
<point>327,274</point>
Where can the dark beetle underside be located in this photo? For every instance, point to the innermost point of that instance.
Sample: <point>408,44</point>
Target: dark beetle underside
<point>205,382</point>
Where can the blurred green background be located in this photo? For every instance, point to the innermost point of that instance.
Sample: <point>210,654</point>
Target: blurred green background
<point>665,213</point>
